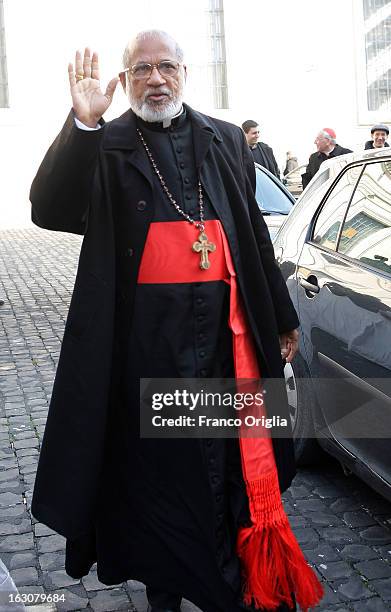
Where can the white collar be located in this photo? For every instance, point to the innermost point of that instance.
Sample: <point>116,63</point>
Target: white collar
<point>167,122</point>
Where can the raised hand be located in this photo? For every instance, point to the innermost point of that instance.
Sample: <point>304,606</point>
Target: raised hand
<point>89,102</point>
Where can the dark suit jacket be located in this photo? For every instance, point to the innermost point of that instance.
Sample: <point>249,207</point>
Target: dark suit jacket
<point>266,158</point>
<point>99,183</point>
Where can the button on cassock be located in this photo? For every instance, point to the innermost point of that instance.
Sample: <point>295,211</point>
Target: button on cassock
<point>141,205</point>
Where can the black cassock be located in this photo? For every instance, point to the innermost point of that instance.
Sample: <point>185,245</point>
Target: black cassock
<point>174,526</point>
<point>165,512</point>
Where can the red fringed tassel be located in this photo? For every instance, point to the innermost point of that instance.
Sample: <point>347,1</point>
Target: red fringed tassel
<point>274,566</point>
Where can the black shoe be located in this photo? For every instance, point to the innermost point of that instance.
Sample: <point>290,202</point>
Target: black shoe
<point>153,609</point>
<point>161,601</point>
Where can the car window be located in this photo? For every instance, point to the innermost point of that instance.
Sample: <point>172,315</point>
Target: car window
<point>321,178</point>
<point>269,196</point>
<point>330,218</point>
<point>366,232</point>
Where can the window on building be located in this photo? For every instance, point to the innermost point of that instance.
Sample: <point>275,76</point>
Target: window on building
<point>218,65</point>
<point>3,63</point>
<point>370,7</point>
<point>374,53</point>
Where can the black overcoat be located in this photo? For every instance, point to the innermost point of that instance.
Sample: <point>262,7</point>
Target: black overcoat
<point>316,159</point>
<point>99,183</point>
<point>271,163</point>
<point>369,145</point>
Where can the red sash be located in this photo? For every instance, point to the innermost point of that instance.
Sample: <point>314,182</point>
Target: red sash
<point>273,565</point>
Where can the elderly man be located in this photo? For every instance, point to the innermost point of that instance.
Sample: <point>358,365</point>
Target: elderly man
<point>327,146</point>
<point>164,198</point>
<point>261,152</point>
<point>379,135</point>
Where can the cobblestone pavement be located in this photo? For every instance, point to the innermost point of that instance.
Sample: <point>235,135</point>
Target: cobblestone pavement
<point>342,525</point>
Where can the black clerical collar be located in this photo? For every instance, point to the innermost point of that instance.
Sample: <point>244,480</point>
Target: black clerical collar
<point>159,126</point>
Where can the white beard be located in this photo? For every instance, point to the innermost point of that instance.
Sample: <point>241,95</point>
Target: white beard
<point>148,113</point>
<point>151,112</point>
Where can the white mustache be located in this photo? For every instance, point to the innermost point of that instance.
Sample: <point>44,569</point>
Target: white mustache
<point>157,92</point>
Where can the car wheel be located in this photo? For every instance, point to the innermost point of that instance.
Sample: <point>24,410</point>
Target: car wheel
<point>301,400</point>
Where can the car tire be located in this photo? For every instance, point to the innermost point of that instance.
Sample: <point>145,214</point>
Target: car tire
<point>302,402</point>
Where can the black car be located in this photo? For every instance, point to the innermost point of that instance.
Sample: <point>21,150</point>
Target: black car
<point>334,251</point>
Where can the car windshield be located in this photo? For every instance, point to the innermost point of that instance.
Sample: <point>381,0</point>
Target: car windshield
<point>270,198</point>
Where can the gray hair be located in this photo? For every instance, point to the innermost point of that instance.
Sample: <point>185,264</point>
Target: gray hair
<point>126,58</point>
<point>328,136</point>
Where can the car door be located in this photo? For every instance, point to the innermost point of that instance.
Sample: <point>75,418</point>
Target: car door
<point>344,301</point>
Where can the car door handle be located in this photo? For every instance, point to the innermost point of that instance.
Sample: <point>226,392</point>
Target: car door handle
<point>278,254</point>
<point>310,286</point>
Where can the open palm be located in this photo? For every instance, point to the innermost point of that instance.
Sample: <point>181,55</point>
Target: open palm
<point>88,100</point>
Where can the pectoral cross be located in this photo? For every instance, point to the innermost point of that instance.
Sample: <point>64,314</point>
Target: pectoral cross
<point>203,246</point>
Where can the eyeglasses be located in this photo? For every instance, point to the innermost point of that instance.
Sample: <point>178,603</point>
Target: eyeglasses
<point>143,70</point>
